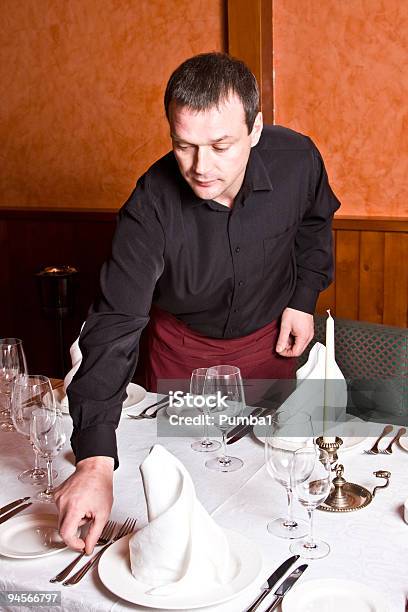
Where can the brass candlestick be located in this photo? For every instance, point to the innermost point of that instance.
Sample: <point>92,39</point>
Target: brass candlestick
<point>330,447</point>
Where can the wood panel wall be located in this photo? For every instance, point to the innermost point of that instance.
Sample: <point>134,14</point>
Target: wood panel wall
<point>370,285</point>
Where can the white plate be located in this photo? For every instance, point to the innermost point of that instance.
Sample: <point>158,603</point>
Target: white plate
<point>331,595</point>
<point>136,394</point>
<point>349,442</point>
<point>30,536</point>
<point>114,571</point>
<point>404,442</point>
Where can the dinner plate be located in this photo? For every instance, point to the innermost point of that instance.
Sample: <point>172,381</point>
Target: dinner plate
<point>135,393</point>
<point>404,442</point>
<point>331,595</point>
<point>349,442</point>
<point>114,571</point>
<point>31,536</point>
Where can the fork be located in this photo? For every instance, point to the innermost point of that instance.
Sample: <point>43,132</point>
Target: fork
<point>374,449</point>
<point>104,538</point>
<point>127,528</point>
<point>388,450</point>
<point>152,415</point>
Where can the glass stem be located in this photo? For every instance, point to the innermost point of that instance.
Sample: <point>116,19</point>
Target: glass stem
<point>50,485</point>
<point>224,459</point>
<point>206,440</point>
<point>37,468</point>
<point>310,543</point>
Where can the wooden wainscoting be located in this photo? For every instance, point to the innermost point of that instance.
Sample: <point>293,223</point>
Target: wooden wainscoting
<point>371,277</point>
<point>371,272</point>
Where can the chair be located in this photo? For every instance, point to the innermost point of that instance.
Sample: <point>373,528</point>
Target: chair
<point>374,361</point>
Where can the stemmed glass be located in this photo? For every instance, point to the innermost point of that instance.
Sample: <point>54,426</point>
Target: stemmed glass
<point>311,472</point>
<point>12,363</point>
<point>204,445</point>
<point>225,398</point>
<point>287,433</point>
<point>30,392</point>
<point>48,436</point>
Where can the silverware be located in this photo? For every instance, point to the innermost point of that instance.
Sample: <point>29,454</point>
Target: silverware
<point>245,429</point>
<point>9,515</point>
<point>286,586</point>
<point>388,450</point>
<point>104,538</point>
<point>374,449</point>
<point>13,504</point>
<point>127,527</point>
<point>238,428</point>
<point>143,415</point>
<point>272,580</point>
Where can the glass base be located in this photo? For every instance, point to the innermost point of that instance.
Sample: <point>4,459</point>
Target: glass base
<point>224,464</point>
<point>282,528</point>
<point>35,477</point>
<point>319,550</point>
<point>45,498</point>
<point>205,446</point>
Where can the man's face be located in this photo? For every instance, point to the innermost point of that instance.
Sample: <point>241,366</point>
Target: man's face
<point>212,147</point>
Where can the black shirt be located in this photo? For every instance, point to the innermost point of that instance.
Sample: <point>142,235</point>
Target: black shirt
<point>225,272</point>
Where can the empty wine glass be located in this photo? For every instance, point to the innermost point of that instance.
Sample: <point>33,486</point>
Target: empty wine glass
<point>48,436</point>
<point>287,433</point>
<point>204,445</point>
<point>12,363</point>
<point>311,472</point>
<point>30,392</point>
<point>225,398</point>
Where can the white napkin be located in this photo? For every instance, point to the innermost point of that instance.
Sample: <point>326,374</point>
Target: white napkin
<point>181,548</point>
<point>309,398</point>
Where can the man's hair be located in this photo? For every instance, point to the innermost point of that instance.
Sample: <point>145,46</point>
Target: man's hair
<point>206,80</point>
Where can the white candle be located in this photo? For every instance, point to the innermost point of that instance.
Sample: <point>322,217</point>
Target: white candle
<point>329,375</point>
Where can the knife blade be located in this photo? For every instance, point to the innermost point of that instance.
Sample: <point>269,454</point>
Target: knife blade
<point>238,428</point>
<point>272,580</point>
<point>243,430</point>
<point>286,586</point>
<point>9,515</point>
<point>13,504</point>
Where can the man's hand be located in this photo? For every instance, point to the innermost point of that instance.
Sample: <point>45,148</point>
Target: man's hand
<point>87,495</point>
<point>296,331</point>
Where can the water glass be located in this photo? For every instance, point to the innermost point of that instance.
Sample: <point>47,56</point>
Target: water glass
<point>48,436</point>
<point>12,363</point>
<point>311,475</point>
<point>204,445</point>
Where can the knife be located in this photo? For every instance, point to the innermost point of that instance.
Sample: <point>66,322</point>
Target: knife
<point>286,586</point>
<point>242,430</point>
<point>272,580</point>
<point>8,516</point>
<point>13,504</point>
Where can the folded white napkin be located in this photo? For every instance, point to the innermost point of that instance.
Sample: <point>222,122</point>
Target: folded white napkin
<point>181,548</point>
<point>310,397</point>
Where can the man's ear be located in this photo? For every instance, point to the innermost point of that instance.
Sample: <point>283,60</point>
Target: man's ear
<point>257,129</point>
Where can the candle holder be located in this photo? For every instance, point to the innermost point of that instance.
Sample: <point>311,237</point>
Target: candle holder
<point>330,447</point>
<point>349,496</point>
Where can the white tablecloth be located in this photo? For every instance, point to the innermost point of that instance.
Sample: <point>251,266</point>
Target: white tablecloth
<point>370,545</point>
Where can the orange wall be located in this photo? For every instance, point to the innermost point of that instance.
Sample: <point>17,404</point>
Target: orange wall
<point>82,117</point>
<point>340,67</point>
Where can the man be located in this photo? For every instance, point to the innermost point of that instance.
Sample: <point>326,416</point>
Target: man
<point>229,238</point>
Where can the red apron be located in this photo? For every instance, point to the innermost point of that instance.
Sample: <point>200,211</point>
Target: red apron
<point>174,351</point>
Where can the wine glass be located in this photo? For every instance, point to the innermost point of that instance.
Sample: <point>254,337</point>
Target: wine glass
<point>204,445</point>
<point>30,392</point>
<point>287,432</point>
<point>48,436</point>
<point>12,363</point>
<point>225,399</point>
<point>311,471</point>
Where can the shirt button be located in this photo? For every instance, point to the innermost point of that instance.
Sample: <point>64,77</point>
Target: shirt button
<point>237,249</point>
<point>236,309</point>
<point>240,283</point>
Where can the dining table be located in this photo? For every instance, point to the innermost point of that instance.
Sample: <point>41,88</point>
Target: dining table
<point>368,546</point>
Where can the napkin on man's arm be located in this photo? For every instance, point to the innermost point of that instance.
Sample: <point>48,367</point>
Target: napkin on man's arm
<point>181,547</point>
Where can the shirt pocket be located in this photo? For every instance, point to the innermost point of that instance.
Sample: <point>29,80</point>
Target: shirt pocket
<point>279,253</point>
